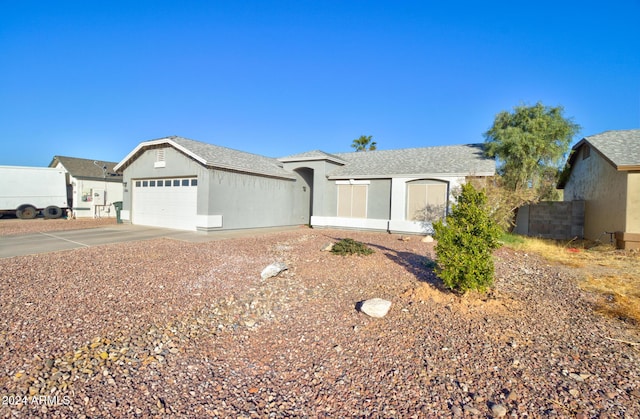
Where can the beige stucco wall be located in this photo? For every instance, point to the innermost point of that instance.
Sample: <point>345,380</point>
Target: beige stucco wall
<point>604,190</point>
<point>633,203</point>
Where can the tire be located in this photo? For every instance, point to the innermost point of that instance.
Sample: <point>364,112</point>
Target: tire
<point>52,212</point>
<point>26,212</point>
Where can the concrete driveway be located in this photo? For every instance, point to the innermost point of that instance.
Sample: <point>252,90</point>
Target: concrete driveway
<point>29,244</point>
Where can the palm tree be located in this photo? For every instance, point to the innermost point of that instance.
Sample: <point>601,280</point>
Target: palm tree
<point>364,143</point>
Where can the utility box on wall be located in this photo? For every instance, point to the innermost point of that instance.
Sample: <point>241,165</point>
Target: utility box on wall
<point>99,197</point>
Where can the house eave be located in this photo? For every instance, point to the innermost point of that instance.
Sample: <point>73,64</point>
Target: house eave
<point>628,168</point>
<point>305,159</point>
<point>245,171</point>
<point>126,161</point>
<point>411,175</point>
<point>146,144</point>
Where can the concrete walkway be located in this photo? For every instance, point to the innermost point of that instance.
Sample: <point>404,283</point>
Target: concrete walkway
<point>34,243</point>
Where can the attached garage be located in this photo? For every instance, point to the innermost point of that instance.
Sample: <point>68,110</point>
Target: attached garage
<point>169,203</point>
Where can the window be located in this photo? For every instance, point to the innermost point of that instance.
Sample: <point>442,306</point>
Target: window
<point>152,183</point>
<point>426,200</point>
<point>586,152</point>
<point>167,183</point>
<point>194,182</point>
<point>185,182</point>
<point>352,200</point>
<point>145,183</point>
<point>176,182</point>
<point>138,183</point>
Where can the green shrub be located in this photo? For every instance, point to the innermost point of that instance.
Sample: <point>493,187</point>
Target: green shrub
<point>465,243</point>
<point>350,247</point>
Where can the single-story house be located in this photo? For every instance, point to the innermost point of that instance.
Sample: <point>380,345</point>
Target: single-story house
<point>179,183</point>
<point>92,186</point>
<point>604,171</point>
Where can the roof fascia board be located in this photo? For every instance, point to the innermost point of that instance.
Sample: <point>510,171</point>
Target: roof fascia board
<point>411,175</point>
<point>317,158</point>
<point>144,144</point>
<point>194,156</point>
<point>628,168</point>
<point>255,172</point>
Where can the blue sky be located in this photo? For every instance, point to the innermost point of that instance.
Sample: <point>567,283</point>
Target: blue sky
<point>93,79</point>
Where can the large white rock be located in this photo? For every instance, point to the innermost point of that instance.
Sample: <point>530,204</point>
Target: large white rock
<point>375,307</point>
<point>272,270</point>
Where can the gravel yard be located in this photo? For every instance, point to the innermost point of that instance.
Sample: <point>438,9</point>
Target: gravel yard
<point>168,328</point>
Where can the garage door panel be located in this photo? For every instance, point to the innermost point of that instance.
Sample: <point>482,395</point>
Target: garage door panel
<point>166,206</point>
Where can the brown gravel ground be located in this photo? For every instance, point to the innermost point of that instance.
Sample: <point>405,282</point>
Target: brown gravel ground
<point>164,328</point>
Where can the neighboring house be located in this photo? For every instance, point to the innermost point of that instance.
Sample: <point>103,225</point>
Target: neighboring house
<point>604,171</point>
<point>178,183</point>
<point>92,186</point>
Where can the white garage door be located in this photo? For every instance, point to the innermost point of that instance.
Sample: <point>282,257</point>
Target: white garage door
<point>169,203</point>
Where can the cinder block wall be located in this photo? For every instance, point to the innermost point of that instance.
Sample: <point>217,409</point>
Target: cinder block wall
<point>551,220</point>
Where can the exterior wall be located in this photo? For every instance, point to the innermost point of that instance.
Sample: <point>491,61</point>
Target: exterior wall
<point>249,201</point>
<point>386,206</point>
<point>303,196</point>
<point>604,190</point>
<point>226,200</point>
<point>82,203</point>
<point>378,207</point>
<point>632,224</point>
<point>323,199</point>
<point>551,220</point>
<point>176,164</point>
<point>398,221</point>
<point>85,206</point>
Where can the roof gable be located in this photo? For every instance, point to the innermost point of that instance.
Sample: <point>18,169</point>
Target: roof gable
<point>215,157</point>
<point>621,148</point>
<point>87,168</point>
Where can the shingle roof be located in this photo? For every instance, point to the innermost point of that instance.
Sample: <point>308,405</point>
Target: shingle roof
<point>621,148</point>
<point>467,159</point>
<point>455,160</point>
<point>87,168</point>
<point>217,157</point>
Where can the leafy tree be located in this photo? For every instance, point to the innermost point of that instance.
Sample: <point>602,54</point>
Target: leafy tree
<point>465,243</point>
<point>530,144</point>
<point>364,143</point>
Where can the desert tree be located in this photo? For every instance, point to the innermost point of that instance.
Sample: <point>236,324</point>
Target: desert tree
<point>530,145</point>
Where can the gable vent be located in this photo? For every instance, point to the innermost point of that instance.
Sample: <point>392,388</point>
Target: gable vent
<point>160,162</point>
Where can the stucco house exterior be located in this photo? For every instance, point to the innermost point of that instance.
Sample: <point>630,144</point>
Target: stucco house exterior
<point>92,186</point>
<point>604,171</point>
<point>175,182</point>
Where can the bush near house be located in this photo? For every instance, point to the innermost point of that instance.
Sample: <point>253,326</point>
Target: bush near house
<point>465,243</point>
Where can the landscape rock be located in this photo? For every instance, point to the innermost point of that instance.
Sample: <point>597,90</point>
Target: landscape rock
<point>498,411</point>
<point>375,307</point>
<point>327,247</point>
<point>273,270</point>
<point>427,239</point>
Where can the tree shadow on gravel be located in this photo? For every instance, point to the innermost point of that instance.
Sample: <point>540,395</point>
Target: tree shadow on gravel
<point>420,266</point>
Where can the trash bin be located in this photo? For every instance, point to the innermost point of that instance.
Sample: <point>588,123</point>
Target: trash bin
<point>118,206</point>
